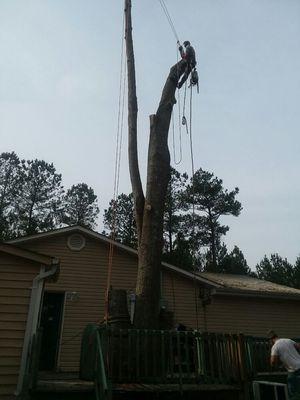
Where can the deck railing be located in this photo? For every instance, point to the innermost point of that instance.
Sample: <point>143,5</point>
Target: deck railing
<point>102,389</point>
<point>173,356</point>
<point>165,357</point>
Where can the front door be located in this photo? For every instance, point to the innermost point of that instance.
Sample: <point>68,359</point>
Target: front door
<point>51,322</point>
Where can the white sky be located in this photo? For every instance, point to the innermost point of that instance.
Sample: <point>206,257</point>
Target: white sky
<point>60,62</point>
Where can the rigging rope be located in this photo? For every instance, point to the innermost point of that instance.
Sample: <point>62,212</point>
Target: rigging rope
<point>119,139</point>
<point>193,210</point>
<point>179,125</point>
<point>183,121</point>
<point>164,7</point>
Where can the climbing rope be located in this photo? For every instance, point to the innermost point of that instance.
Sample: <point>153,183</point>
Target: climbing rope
<point>184,121</point>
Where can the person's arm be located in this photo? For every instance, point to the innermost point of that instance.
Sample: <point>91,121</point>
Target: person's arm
<point>274,360</point>
<point>181,51</point>
<point>297,346</point>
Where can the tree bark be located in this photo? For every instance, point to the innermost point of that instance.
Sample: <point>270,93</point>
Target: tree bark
<point>135,178</point>
<point>213,268</point>
<point>158,176</point>
<point>149,211</point>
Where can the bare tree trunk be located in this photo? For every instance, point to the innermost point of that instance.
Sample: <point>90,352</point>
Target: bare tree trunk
<point>136,183</point>
<point>158,176</point>
<point>149,211</point>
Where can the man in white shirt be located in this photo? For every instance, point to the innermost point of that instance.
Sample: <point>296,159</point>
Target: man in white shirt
<point>287,352</point>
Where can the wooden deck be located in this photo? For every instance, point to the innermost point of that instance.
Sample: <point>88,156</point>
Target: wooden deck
<point>161,388</point>
<point>70,383</point>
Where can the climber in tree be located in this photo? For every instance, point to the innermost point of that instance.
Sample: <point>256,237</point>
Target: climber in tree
<point>189,56</point>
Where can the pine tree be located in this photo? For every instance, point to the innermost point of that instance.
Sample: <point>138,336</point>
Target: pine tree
<point>39,208</point>
<point>211,201</point>
<point>11,181</point>
<point>80,206</point>
<point>119,220</point>
<point>276,269</point>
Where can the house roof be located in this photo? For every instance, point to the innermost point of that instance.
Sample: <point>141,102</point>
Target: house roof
<point>248,284</point>
<point>106,240</point>
<point>225,284</point>
<point>27,254</point>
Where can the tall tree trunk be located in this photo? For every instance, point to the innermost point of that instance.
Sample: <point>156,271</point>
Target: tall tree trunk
<point>149,212</point>
<point>213,249</point>
<point>213,266</point>
<point>135,177</point>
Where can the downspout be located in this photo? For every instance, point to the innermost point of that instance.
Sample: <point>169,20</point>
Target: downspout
<point>33,317</point>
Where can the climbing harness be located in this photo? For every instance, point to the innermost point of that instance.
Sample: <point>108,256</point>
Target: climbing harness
<point>194,81</point>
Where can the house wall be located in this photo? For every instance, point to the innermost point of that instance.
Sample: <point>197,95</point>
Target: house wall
<point>16,276</point>
<point>85,272</point>
<point>230,314</point>
<point>253,316</point>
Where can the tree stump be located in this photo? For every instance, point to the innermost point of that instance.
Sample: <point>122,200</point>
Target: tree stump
<point>118,315</point>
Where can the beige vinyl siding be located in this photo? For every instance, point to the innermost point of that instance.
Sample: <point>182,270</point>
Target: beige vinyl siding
<point>16,277</point>
<point>181,295</point>
<point>253,316</point>
<point>85,272</point>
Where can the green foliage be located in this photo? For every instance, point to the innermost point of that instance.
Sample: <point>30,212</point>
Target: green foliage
<point>11,177</point>
<point>185,233</point>
<point>296,274</point>
<point>173,217</point>
<point>32,198</point>
<point>206,195</point>
<point>119,216</point>
<point>39,207</point>
<point>181,254</point>
<point>234,263</point>
<point>119,220</point>
<point>80,206</point>
<point>276,269</point>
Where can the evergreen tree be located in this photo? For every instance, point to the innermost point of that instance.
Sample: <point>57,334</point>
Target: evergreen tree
<point>80,206</point>
<point>119,218</point>
<point>181,255</point>
<point>123,212</point>
<point>173,215</point>
<point>234,263</point>
<point>276,269</point>
<point>211,201</point>
<point>11,181</point>
<point>296,274</point>
<point>39,207</point>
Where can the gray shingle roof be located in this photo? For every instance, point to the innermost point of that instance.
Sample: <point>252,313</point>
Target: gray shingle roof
<point>248,284</point>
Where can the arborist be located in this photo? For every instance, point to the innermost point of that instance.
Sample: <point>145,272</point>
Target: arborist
<point>189,56</point>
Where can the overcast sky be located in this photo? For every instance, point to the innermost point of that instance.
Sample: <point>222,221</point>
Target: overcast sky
<point>60,64</point>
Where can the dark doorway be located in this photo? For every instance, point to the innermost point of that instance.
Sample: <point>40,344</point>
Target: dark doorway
<point>51,320</point>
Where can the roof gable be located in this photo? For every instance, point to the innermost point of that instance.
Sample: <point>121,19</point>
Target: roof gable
<point>28,255</point>
<point>104,239</point>
<point>221,283</point>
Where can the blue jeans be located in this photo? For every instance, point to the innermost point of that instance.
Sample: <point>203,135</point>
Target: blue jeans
<point>293,383</point>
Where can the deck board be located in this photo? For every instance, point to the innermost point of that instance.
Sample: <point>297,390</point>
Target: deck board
<point>138,387</point>
<point>78,385</point>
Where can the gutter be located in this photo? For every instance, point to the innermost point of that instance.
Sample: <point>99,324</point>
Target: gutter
<point>256,294</point>
<point>33,317</point>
